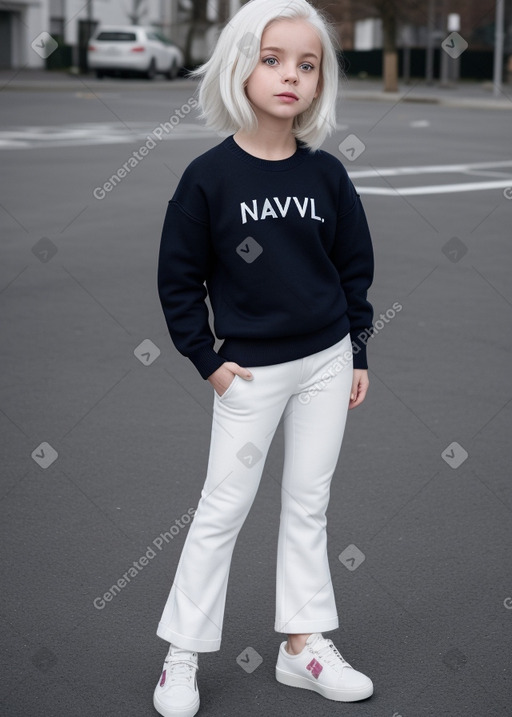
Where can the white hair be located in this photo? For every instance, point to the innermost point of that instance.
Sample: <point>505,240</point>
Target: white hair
<point>222,99</point>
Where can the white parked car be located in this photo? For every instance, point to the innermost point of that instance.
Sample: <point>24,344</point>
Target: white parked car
<point>133,48</point>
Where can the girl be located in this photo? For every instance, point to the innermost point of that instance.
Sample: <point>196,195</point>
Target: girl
<point>276,230</point>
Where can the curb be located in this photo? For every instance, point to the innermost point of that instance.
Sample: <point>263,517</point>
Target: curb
<point>89,84</point>
<point>80,85</point>
<point>461,102</point>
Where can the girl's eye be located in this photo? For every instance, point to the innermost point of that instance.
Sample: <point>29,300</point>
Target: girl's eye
<point>272,62</point>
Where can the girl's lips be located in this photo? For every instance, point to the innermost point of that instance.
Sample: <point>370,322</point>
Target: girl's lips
<point>288,97</point>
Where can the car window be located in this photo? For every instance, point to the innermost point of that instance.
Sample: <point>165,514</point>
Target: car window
<point>117,36</point>
<point>163,39</point>
<point>152,36</point>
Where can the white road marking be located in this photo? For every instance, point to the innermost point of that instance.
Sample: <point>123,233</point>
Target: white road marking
<point>96,95</point>
<point>91,133</point>
<point>434,189</point>
<point>428,169</point>
<point>111,133</point>
<point>483,173</point>
<point>464,169</point>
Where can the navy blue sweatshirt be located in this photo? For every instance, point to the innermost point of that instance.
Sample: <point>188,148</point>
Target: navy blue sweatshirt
<point>281,248</point>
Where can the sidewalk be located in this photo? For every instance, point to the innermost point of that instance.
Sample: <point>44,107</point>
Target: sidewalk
<point>464,94</point>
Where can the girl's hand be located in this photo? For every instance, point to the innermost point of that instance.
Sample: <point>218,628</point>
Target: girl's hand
<point>360,385</point>
<point>222,377</point>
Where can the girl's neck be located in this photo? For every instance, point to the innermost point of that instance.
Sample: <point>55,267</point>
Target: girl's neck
<point>267,144</point>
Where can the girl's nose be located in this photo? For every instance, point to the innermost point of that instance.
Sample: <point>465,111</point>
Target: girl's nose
<point>289,74</point>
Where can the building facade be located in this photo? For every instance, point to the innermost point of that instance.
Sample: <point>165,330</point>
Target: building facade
<point>20,24</point>
<point>70,23</point>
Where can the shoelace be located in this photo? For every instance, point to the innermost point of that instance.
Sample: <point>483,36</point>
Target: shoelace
<point>182,670</point>
<point>331,655</point>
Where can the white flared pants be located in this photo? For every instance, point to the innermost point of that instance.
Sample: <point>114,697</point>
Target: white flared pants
<point>312,395</point>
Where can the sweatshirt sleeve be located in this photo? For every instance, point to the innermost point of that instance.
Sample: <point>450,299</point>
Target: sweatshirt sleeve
<point>352,255</point>
<point>184,263</point>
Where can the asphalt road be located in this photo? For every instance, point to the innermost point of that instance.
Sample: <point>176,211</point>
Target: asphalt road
<point>106,427</point>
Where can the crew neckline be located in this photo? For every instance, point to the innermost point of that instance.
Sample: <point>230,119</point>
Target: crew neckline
<point>273,165</point>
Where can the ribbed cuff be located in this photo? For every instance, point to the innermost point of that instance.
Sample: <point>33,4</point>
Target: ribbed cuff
<point>206,361</point>
<point>359,341</point>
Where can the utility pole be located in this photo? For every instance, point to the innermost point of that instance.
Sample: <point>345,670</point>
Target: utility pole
<point>85,30</point>
<point>444,71</point>
<point>407,42</point>
<point>429,74</point>
<point>499,35</point>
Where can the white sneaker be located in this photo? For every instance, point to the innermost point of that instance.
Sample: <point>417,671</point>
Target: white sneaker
<point>321,668</point>
<point>176,694</point>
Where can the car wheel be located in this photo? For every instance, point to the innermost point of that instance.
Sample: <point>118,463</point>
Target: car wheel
<point>100,74</point>
<point>172,73</point>
<point>151,71</point>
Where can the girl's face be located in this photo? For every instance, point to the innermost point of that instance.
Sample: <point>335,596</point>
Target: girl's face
<point>287,77</point>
